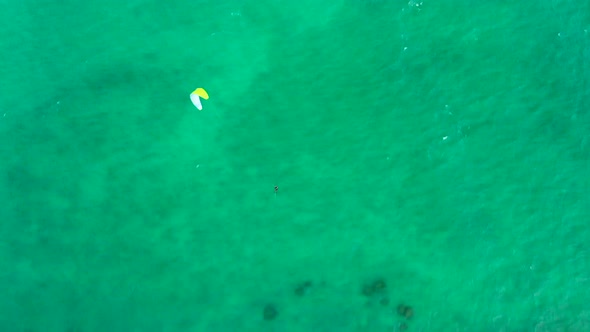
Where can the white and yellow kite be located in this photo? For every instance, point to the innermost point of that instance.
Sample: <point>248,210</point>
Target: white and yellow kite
<point>196,97</point>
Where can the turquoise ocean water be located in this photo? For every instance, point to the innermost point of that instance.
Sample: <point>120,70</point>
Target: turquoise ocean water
<point>428,154</point>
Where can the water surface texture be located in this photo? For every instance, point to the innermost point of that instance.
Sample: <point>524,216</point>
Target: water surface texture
<point>431,159</point>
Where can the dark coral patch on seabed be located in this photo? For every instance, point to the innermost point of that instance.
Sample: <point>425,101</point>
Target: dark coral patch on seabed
<point>270,312</point>
<point>405,311</point>
<point>375,287</point>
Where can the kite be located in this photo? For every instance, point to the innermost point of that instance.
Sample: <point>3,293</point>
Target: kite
<point>196,97</point>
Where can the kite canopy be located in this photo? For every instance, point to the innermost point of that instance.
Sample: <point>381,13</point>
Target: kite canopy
<point>196,97</point>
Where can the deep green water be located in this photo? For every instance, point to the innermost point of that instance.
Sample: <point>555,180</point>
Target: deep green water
<point>441,148</point>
